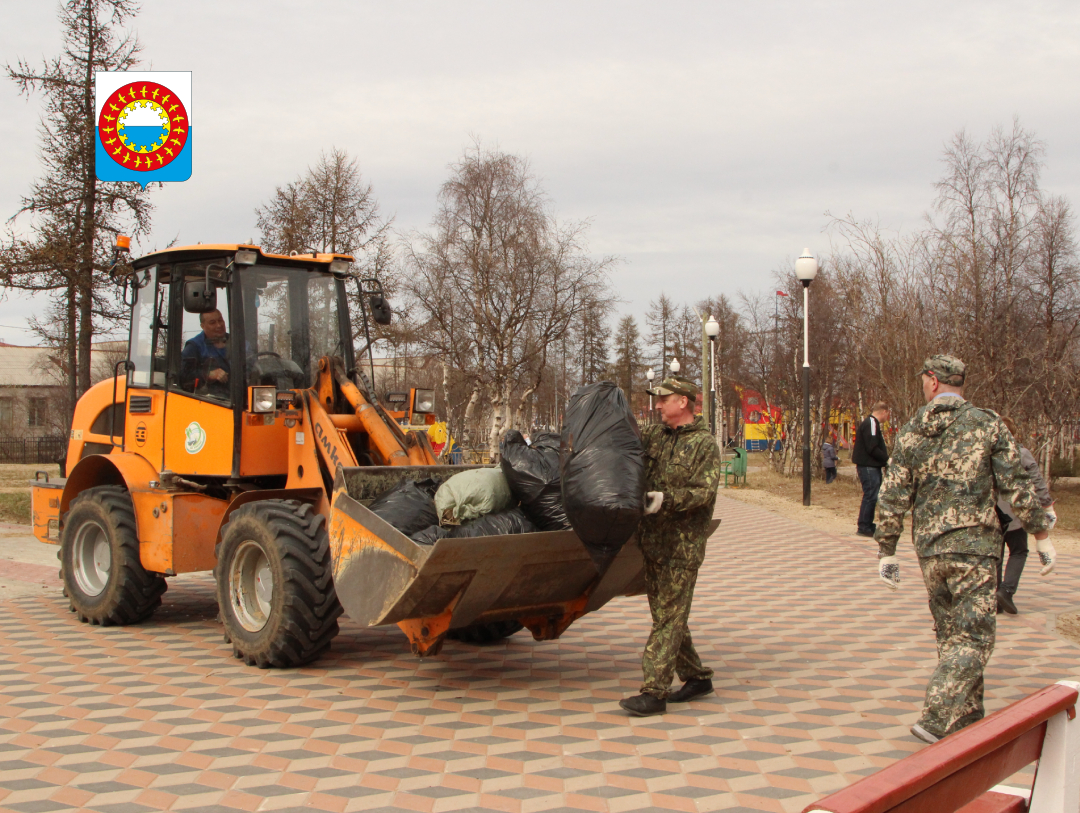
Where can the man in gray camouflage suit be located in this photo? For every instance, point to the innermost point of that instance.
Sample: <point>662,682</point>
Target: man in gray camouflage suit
<point>951,462</point>
<point>682,472</point>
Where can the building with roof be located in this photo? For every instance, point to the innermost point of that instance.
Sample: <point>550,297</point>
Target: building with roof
<point>34,402</point>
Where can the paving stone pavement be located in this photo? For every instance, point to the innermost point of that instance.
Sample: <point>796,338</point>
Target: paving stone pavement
<point>820,672</point>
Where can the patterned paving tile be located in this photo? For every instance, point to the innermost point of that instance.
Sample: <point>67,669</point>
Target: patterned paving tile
<point>819,675</point>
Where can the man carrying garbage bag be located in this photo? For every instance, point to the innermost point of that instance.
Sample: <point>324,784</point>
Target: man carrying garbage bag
<point>682,472</point>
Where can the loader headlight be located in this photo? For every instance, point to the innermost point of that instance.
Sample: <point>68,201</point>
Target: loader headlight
<point>425,401</point>
<point>263,399</point>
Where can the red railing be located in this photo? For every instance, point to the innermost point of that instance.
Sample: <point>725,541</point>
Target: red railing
<point>957,773</point>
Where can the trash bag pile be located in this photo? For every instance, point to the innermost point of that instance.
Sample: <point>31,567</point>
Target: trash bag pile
<point>470,495</point>
<point>603,470</point>
<point>591,479</point>
<point>473,503</point>
<point>532,473</point>
<point>409,506</point>
<point>510,521</point>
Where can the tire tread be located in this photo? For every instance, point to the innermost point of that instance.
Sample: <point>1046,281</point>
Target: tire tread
<point>138,592</point>
<point>310,604</point>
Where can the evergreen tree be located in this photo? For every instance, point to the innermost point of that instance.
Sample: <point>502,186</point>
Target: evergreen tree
<point>73,217</point>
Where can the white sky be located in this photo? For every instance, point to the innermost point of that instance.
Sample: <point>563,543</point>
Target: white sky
<point>704,141</point>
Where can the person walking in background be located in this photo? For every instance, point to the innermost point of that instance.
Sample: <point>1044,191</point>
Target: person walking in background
<point>1015,535</point>
<point>951,463</point>
<point>870,456</point>
<point>828,460</point>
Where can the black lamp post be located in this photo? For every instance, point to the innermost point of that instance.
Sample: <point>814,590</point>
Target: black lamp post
<point>806,269</point>
<point>650,374</point>
<point>712,330</point>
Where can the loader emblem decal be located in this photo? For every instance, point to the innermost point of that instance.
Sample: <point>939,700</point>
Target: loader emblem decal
<point>143,123</point>
<point>194,438</point>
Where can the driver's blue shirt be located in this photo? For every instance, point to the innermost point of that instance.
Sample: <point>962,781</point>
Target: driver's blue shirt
<point>200,351</point>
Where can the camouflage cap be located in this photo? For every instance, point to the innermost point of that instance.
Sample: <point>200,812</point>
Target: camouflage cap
<point>947,369</point>
<point>673,385</point>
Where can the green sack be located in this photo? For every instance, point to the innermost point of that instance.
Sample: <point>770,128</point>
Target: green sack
<point>472,494</point>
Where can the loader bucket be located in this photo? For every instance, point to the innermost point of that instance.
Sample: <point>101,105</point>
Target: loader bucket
<point>544,580</point>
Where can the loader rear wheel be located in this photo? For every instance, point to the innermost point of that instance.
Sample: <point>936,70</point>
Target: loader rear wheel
<point>275,584</point>
<point>485,633</point>
<point>104,580</point>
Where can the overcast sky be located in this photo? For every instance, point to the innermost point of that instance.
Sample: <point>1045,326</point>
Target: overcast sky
<point>704,141</point>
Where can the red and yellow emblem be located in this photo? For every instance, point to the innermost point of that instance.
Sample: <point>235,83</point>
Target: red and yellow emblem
<point>143,126</point>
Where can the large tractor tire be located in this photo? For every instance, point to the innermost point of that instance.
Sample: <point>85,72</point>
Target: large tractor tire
<point>275,584</point>
<point>99,561</point>
<point>485,633</point>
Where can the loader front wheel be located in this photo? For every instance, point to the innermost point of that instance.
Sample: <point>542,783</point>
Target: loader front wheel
<point>104,580</point>
<point>275,585</point>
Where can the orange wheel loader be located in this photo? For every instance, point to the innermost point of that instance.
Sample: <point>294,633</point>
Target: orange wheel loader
<point>240,436</point>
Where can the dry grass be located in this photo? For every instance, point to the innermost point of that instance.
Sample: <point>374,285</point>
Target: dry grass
<point>17,476</point>
<point>15,490</point>
<point>1066,494</point>
<point>15,507</point>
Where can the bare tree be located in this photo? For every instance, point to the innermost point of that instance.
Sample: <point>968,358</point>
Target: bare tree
<point>331,209</point>
<point>499,283</point>
<point>993,279</point>
<point>73,216</point>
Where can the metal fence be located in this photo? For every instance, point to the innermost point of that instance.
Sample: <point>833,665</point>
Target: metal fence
<point>32,450</point>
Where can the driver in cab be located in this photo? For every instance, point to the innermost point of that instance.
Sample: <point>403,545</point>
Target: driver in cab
<point>204,362</point>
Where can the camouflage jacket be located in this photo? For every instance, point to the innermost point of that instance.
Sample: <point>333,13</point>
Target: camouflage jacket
<point>684,463</point>
<point>951,462</point>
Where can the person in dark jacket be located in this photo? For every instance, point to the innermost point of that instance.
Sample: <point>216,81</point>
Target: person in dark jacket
<point>828,460</point>
<point>1016,537</point>
<point>870,456</point>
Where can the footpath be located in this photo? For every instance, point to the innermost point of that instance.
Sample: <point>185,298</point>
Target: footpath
<point>820,672</point>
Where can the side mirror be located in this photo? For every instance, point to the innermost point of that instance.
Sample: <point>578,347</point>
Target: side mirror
<point>199,297</point>
<point>380,309</point>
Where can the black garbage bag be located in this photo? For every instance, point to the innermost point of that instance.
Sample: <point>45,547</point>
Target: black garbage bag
<point>603,470</point>
<point>409,506</point>
<point>511,521</point>
<point>533,475</point>
<point>430,535</point>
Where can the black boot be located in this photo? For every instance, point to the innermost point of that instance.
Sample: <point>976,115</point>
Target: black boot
<point>644,705</point>
<point>691,689</point>
<point>1005,602</point>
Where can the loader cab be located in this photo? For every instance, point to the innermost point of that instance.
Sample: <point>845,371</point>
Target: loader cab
<point>221,336</point>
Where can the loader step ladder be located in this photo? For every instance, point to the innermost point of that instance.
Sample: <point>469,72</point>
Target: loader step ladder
<point>962,771</point>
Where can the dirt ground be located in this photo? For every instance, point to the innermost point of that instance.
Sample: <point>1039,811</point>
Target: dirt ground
<point>834,508</point>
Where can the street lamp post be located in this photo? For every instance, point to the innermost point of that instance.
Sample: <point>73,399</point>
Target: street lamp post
<point>806,269</point>
<point>712,330</point>
<point>650,374</point>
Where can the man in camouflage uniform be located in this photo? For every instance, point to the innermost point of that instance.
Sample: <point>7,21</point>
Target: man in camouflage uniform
<point>951,462</point>
<point>682,472</point>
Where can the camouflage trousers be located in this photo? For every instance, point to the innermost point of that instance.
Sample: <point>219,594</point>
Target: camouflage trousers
<point>961,588</point>
<point>670,649</point>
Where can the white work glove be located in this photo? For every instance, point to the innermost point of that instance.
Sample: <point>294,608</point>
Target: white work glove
<point>1047,555</point>
<point>889,570</point>
<point>1051,514</point>
<point>653,501</point>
